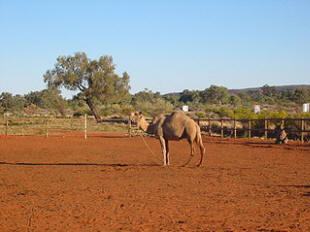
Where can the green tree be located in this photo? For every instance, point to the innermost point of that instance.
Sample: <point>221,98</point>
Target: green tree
<point>8,102</point>
<point>190,96</point>
<point>300,96</point>
<point>145,95</point>
<point>234,100</point>
<point>155,107</point>
<point>49,99</point>
<point>269,91</point>
<point>245,98</point>
<point>267,94</point>
<point>95,80</point>
<point>174,100</point>
<point>215,94</point>
<point>78,106</point>
<point>19,102</point>
<point>151,103</point>
<point>34,97</point>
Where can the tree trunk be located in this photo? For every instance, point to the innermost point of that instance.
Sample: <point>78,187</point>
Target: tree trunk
<point>93,109</point>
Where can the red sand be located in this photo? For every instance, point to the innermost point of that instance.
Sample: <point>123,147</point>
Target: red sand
<point>114,183</point>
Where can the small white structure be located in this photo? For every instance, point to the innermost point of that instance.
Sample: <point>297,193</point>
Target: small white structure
<point>306,107</point>
<point>256,109</point>
<point>7,114</point>
<point>185,108</point>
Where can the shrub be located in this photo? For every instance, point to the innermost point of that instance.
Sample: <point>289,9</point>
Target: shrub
<point>244,113</point>
<point>200,114</point>
<point>221,112</point>
<point>158,106</point>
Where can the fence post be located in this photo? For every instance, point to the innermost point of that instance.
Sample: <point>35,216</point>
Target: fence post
<point>235,129</point>
<point>249,128</point>
<point>22,122</point>
<point>129,126</point>
<point>209,127</point>
<point>6,124</point>
<point>302,130</point>
<point>71,122</point>
<point>46,128</point>
<point>265,128</point>
<point>222,131</point>
<point>85,126</point>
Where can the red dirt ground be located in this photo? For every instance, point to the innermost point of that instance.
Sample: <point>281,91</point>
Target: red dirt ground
<point>114,183</point>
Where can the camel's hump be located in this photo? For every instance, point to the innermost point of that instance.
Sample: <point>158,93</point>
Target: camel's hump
<point>177,119</point>
<point>178,115</point>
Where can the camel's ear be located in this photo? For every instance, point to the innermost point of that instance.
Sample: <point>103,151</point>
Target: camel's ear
<point>140,116</point>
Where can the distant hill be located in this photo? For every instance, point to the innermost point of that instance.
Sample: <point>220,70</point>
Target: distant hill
<point>279,88</point>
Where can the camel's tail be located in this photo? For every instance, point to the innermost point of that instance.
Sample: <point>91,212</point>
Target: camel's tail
<point>200,144</point>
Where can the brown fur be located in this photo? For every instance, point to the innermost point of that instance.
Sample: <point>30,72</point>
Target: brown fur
<point>175,126</point>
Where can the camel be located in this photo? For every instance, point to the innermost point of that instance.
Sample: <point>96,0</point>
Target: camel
<point>175,126</point>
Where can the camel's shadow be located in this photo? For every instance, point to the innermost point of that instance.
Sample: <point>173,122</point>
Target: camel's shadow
<point>120,165</point>
<point>263,144</point>
<point>79,164</point>
<point>304,187</point>
<point>109,136</point>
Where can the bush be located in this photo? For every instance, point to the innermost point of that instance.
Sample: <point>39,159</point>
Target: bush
<point>126,110</point>
<point>222,112</point>
<point>272,114</point>
<point>244,113</point>
<point>155,107</point>
<point>200,115</point>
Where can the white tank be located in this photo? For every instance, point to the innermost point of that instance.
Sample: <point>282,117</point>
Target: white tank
<point>306,107</point>
<point>185,108</point>
<point>256,109</point>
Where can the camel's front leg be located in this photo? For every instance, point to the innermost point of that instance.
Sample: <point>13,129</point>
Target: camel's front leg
<point>163,149</point>
<point>167,152</point>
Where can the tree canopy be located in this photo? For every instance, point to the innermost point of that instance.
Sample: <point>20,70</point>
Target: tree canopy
<point>95,80</point>
<point>49,98</point>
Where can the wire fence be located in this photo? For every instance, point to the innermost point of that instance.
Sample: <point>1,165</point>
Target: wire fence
<point>268,128</point>
<point>46,126</point>
<point>296,128</point>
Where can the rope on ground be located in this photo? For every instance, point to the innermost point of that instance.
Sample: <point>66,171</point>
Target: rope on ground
<point>148,147</point>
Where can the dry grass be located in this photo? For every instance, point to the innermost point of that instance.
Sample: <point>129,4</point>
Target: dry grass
<point>55,126</point>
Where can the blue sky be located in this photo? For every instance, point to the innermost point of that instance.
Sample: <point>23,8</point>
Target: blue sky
<point>165,46</point>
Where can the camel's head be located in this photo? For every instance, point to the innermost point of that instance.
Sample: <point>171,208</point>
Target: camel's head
<point>138,118</point>
<point>135,116</point>
<point>150,128</point>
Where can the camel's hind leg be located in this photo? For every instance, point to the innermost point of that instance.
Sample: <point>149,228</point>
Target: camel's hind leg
<point>191,144</point>
<point>201,146</point>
